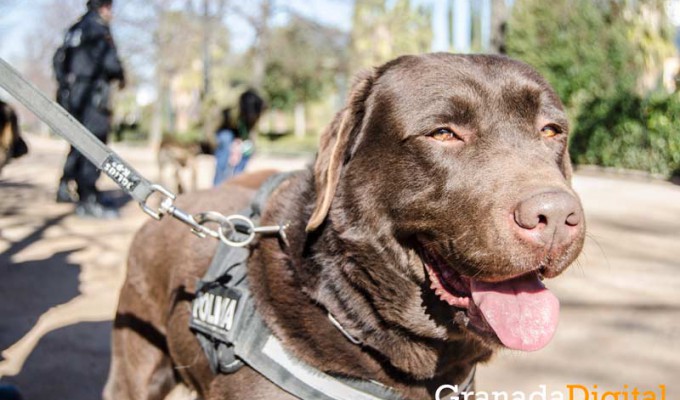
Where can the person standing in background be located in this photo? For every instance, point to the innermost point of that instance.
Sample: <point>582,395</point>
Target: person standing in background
<point>234,144</point>
<point>85,66</point>
<point>225,136</point>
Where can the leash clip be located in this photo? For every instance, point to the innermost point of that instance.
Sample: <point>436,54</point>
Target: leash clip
<point>165,204</point>
<point>227,227</point>
<point>167,207</point>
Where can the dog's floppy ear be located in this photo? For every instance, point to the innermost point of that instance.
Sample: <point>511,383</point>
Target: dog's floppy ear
<point>334,146</point>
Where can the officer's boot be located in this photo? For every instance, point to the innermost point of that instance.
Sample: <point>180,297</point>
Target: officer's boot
<point>91,208</point>
<point>65,194</point>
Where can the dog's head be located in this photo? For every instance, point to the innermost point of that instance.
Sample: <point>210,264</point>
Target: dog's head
<point>455,170</point>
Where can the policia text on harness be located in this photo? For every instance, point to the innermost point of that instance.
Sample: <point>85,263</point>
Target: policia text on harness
<point>224,318</point>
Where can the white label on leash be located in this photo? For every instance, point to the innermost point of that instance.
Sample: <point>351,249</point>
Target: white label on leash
<point>123,175</point>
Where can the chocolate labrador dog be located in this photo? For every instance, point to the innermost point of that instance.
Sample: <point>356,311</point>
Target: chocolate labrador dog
<point>439,201</point>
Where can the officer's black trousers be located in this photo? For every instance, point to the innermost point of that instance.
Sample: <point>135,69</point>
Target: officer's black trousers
<point>77,167</point>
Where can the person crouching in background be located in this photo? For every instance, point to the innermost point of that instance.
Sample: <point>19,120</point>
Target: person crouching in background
<point>234,144</point>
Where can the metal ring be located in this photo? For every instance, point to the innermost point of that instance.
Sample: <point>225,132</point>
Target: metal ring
<point>229,223</point>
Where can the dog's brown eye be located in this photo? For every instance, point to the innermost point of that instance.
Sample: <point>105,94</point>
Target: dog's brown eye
<point>549,131</point>
<point>444,135</point>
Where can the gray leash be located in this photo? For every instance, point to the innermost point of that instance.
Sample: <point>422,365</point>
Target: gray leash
<point>131,181</point>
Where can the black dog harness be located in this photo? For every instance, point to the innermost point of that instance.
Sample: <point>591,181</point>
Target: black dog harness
<point>232,333</point>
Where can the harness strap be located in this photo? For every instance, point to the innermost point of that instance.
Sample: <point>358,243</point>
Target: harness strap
<point>233,334</point>
<point>264,353</point>
<point>232,339</point>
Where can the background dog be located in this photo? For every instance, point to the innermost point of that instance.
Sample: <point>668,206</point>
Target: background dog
<point>439,200</point>
<point>177,163</point>
<point>12,145</point>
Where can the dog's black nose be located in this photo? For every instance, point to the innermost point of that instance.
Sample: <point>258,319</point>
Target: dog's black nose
<point>548,218</point>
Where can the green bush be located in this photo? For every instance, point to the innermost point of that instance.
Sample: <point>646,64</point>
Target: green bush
<point>595,53</point>
<point>580,46</point>
<point>627,131</point>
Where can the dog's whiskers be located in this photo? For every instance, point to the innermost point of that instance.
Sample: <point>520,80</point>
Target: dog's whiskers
<point>599,246</point>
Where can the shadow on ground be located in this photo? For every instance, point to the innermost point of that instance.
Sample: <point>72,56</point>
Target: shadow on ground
<point>28,289</point>
<point>49,349</point>
<point>50,373</point>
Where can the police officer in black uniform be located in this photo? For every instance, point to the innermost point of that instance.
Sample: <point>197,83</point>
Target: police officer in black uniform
<point>85,66</point>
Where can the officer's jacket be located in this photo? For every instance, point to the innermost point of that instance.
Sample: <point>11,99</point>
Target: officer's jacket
<point>93,53</point>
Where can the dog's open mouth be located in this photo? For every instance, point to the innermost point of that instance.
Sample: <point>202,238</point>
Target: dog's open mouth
<point>520,312</point>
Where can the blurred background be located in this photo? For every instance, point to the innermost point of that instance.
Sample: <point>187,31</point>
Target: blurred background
<point>187,59</point>
<point>614,64</point>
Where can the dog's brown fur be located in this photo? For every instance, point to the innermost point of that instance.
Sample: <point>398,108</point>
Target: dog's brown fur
<point>10,136</point>
<point>380,189</point>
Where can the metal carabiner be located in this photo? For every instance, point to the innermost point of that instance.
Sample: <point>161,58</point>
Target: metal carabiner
<point>226,226</point>
<point>169,200</point>
<point>230,227</point>
<point>235,222</point>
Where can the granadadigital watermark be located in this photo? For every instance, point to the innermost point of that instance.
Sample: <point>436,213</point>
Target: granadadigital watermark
<point>570,392</point>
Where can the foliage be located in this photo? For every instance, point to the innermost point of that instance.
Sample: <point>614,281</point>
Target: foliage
<point>303,61</point>
<point>381,32</point>
<point>651,36</point>
<point>603,58</point>
<point>628,131</point>
<point>579,46</point>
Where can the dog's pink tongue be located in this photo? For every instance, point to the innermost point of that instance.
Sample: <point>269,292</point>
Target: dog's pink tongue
<point>521,311</point>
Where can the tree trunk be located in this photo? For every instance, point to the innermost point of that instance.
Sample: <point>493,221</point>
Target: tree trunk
<point>499,20</point>
<point>156,132</point>
<point>261,42</point>
<point>207,64</point>
<point>300,122</point>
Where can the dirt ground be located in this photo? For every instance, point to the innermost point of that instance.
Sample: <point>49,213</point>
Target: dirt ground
<point>60,275</point>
